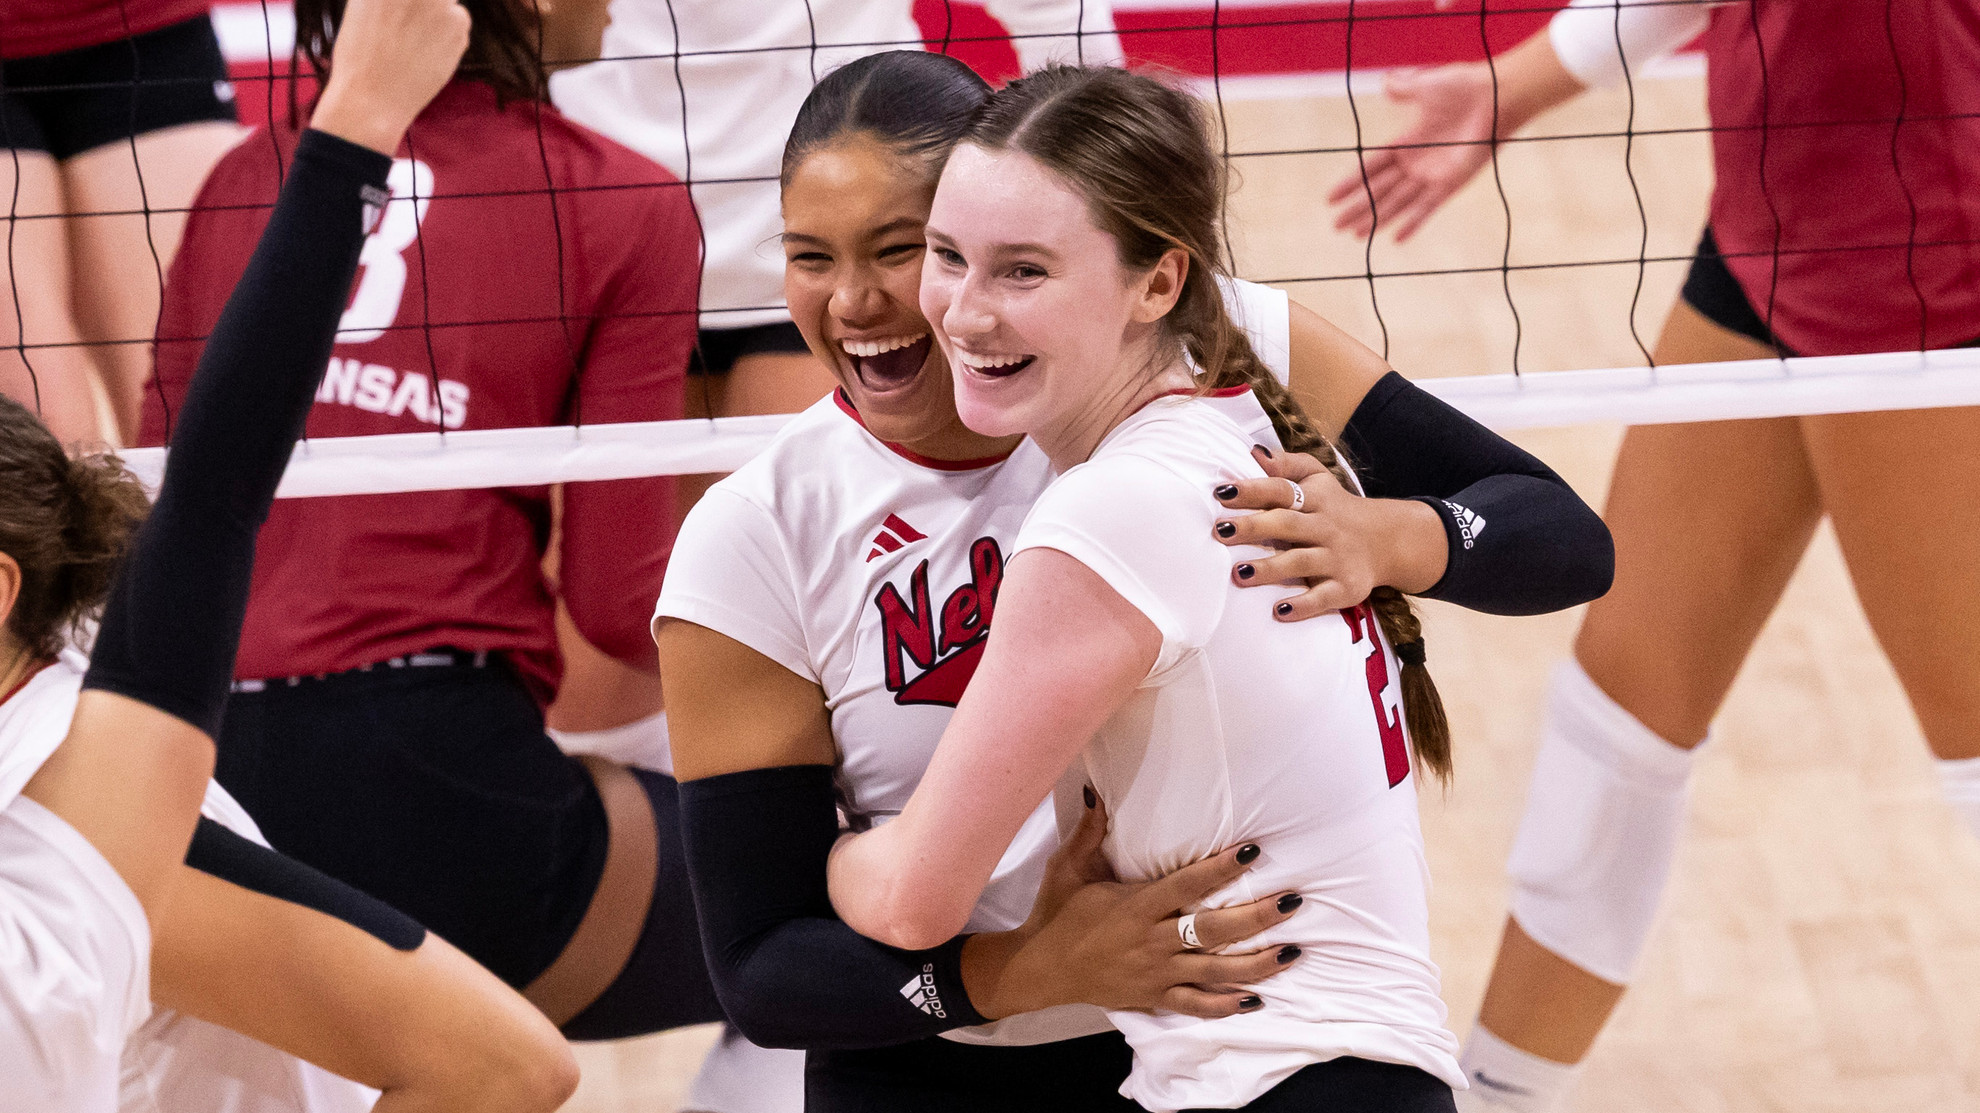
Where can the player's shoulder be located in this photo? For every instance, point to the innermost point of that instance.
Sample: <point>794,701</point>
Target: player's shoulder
<point>801,465</point>
<point>1184,434</point>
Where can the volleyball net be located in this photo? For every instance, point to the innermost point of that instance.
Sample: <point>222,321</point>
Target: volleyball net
<point>1527,303</point>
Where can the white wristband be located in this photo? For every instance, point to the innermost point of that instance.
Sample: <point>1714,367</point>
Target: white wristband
<point>1584,35</point>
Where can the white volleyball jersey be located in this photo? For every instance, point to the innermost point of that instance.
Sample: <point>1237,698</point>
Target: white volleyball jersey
<point>872,572</point>
<point>1247,729</point>
<point>75,963</point>
<point>75,948</point>
<point>715,103</point>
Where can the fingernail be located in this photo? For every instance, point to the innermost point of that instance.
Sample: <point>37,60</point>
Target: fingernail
<point>1226,492</point>
<point>1282,610</point>
<point>1289,902</point>
<point>1246,571</point>
<point>1247,854</point>
<point>1250,1001</point>
<point>1227,529</point>
<point>1287,953</point>
<point>1087,791</point>
<point>1265,448</point>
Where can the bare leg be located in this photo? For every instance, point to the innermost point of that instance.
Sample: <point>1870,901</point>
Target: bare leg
<point>1899,487</point>
<point>1710,521</point>
<point>116,282</point>
<point>36,306</point>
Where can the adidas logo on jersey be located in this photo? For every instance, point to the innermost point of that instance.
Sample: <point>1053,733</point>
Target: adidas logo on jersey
<point>921,993</point>
<point>1469,522</point>
<point>893,536</point>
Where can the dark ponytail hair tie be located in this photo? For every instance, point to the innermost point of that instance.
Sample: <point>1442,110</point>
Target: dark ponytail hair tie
<point>1411,653</point>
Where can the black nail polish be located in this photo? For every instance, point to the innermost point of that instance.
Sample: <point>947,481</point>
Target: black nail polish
<point>1227,529</point>
<point>1246,571</point>
<point>1265,448</point>
<point>1247,854</point>
<point>1226,492</point>
<point>1282,610</point>
<point>1250,1001</point>
<point>1087,792</point>
<point>1287,953</point>
<point>1290,901</point>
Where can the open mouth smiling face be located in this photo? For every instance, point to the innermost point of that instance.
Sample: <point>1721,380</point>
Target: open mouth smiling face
<point>888,363</point>
<point>853,247</point>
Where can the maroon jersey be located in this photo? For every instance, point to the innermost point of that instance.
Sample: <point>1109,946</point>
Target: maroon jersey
<point>32,28</point>
<point>455,324</point>
<point>1833,87</point>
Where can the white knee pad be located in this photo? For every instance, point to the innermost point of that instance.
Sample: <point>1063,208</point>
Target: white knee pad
<point>1601,827</point>
<point>642,742</point>
<point>1960,778</point>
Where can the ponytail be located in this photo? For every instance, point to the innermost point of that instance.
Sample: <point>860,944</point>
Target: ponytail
<point>66,522</point>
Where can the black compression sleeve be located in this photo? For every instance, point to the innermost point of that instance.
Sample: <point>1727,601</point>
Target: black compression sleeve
<point>1521,541</point>
<point>173,622</point>
<point>789,972</point>
<point>228,856</point>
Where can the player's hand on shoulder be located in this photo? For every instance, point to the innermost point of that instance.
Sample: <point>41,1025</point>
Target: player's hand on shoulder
<point>391,58</point>
<point>1334,544</point>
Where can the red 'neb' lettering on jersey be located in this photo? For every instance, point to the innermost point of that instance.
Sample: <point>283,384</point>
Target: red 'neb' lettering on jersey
<point>483,301</point>
<point>909,630</point>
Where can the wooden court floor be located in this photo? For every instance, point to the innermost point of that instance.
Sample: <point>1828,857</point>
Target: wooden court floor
<point>1820,947</point>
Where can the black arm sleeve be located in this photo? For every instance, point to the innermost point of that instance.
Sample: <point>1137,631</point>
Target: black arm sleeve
<point>228,856</point>
<point>173,622</point>
<point>1521,541</point>
<point>789,972</point>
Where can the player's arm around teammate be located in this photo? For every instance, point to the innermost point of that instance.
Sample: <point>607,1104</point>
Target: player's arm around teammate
<point>130,773</point>
<point>1434,478</point>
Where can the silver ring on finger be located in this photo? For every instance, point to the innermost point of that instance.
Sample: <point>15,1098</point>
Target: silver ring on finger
<point>1186,927</point>
<point>1299,495</point>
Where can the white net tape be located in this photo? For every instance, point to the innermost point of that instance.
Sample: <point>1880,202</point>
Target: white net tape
<point>404,462</point>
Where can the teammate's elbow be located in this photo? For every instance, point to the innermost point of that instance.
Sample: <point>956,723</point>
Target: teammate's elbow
<point>914,925</point>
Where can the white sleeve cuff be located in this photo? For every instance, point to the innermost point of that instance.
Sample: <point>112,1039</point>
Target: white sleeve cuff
<point>1584,35</point>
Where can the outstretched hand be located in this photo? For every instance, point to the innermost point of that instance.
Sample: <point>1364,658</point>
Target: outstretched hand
<point>1104,942</point>
<point>390,59</point>
<point>1413,176</point>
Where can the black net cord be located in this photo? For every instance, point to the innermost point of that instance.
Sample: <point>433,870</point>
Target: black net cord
<point>1498,182</point>
<point>1767,191</point>
<point>1636,192</point>
<point>13,271</point>
<point>1223,135</point>
<point>1897,168</point>
<point>144,195</point>
<point>687,183</point>
<point>1368,191</point>
<point>557,234</point>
